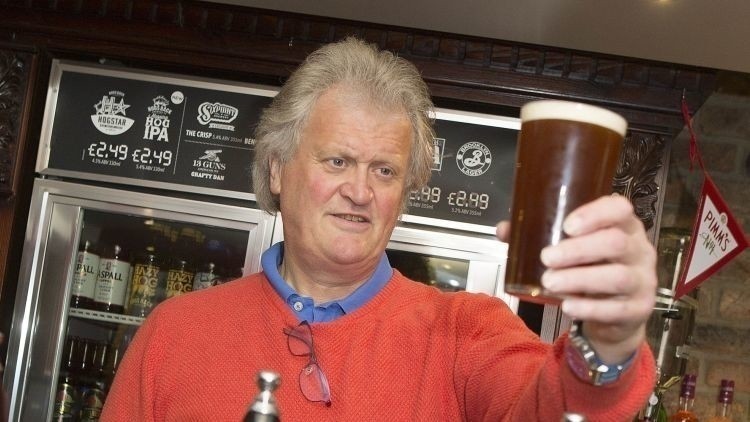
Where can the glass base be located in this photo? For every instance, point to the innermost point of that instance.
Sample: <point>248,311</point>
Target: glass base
<point>532,293</point>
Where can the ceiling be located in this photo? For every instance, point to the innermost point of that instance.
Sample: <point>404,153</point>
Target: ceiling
<point>706,33</point>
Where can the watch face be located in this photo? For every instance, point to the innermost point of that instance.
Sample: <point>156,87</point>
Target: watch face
<point>577,363</point>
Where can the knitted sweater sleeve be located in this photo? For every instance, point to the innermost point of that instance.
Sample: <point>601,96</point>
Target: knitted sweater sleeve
<point>503,372</point>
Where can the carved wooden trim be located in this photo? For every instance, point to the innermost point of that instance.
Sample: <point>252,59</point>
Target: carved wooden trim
<point>218,36</point>
<point>640,162</point>
<point>12,84</point>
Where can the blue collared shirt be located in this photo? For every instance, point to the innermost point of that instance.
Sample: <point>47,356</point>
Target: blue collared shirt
<point>304,307</point>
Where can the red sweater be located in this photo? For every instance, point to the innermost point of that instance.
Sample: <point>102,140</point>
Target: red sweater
<point>412,353</point>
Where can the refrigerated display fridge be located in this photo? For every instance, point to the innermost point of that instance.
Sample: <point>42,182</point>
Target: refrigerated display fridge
<point>143,193</point>
<point>64,217</point>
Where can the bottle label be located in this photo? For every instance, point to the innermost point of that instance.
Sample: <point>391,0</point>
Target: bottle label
<point>93,402</point>
<point>85,275</point>
<point>204,280</point>
<point>143,286</point>
<point>112,281</point>
<point>179,282</point>
<point>65,401</point>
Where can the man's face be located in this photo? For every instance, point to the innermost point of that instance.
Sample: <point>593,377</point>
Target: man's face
<point>341,193</point>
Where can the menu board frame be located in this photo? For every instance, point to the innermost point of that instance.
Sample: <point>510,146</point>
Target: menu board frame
<point>469,191</point>
<point>60,68</point>
<point>468,124</point>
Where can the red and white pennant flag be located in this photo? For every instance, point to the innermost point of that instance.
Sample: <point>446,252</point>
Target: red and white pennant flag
<point>717,237</point>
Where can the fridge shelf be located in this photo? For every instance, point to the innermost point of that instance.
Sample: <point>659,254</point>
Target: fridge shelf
<point>105,316</point>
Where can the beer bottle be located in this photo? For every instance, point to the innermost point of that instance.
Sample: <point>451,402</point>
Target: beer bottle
<point>120,342</point>
<point>92,399</point>
<point>84,276</point>
<point>111,284</point>
<point>87,348</point>
<point>180,274</point>
<point>144,284</point>
<point>111,363</point>
<point>206,276</point>
<point>209,272</point>
<point>179,278</point>
<point>67,400</point>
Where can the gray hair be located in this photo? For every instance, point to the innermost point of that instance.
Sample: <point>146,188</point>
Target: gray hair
<point>385,80</point>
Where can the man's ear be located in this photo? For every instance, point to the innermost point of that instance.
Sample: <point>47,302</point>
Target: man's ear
<point>275,166</point>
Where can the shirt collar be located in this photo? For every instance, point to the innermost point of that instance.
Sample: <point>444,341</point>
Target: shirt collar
<point>273,256</point>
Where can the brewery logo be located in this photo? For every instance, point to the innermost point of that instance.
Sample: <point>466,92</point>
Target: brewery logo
<point>211,155</point>
<point>110,114</point>
<point>217,115</point>
<point>473,158</point>
<point>438,149</point>
<point>209,166</point>
<point>157,122</point>
<point>178,97</point>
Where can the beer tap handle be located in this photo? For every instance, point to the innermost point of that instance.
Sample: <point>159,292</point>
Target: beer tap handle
<point>264,407</point>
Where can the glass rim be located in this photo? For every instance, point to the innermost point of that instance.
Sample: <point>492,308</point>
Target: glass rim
<point>574,111</point>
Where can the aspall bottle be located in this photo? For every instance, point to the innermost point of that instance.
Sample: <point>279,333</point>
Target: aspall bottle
<point>112,282</point>
<point>264,407</point>
<point>84,276</point>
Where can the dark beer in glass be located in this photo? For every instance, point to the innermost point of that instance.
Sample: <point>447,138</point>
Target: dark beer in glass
<point>566,156</point>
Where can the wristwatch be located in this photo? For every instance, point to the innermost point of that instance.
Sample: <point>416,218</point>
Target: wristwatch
<point>584,362</point>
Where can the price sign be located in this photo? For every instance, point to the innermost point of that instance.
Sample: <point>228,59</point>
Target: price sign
<point>472,173</point>
<point>156,130</point>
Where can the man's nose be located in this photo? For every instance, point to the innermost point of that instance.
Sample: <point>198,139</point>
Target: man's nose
<point>358,188</point>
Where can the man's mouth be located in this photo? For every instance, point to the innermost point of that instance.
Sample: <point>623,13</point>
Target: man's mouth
<point>354,218</point>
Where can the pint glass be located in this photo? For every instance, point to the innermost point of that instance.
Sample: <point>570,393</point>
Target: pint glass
<point>566,156</point>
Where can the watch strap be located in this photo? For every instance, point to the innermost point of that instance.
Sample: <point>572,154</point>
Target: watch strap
<point>585,363</point>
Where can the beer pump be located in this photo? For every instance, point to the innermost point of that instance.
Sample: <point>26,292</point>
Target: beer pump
<point>264,407</point>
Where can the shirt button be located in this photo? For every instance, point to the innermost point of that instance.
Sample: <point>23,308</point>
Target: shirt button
<point>298,306</point>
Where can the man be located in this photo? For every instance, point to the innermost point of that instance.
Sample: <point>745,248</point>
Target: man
<point>337,153</point>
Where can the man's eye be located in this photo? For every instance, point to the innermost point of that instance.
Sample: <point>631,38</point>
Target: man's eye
<point>385,171</point>
<point>337,162</point>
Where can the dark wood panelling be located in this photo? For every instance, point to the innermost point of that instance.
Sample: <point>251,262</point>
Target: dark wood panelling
<point>196,28</point>
<point>16,167</point>
<point>13,73</point>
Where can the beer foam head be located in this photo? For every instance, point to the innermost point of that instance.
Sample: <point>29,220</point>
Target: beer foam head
<point>567,110</point>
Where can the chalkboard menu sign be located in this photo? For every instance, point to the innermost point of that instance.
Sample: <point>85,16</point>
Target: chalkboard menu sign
<point>472,173</point>
<point>150,129</point>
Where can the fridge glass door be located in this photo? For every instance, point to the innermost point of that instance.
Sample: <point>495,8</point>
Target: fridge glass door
<point>92,270</point>
<point>447,274</point>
